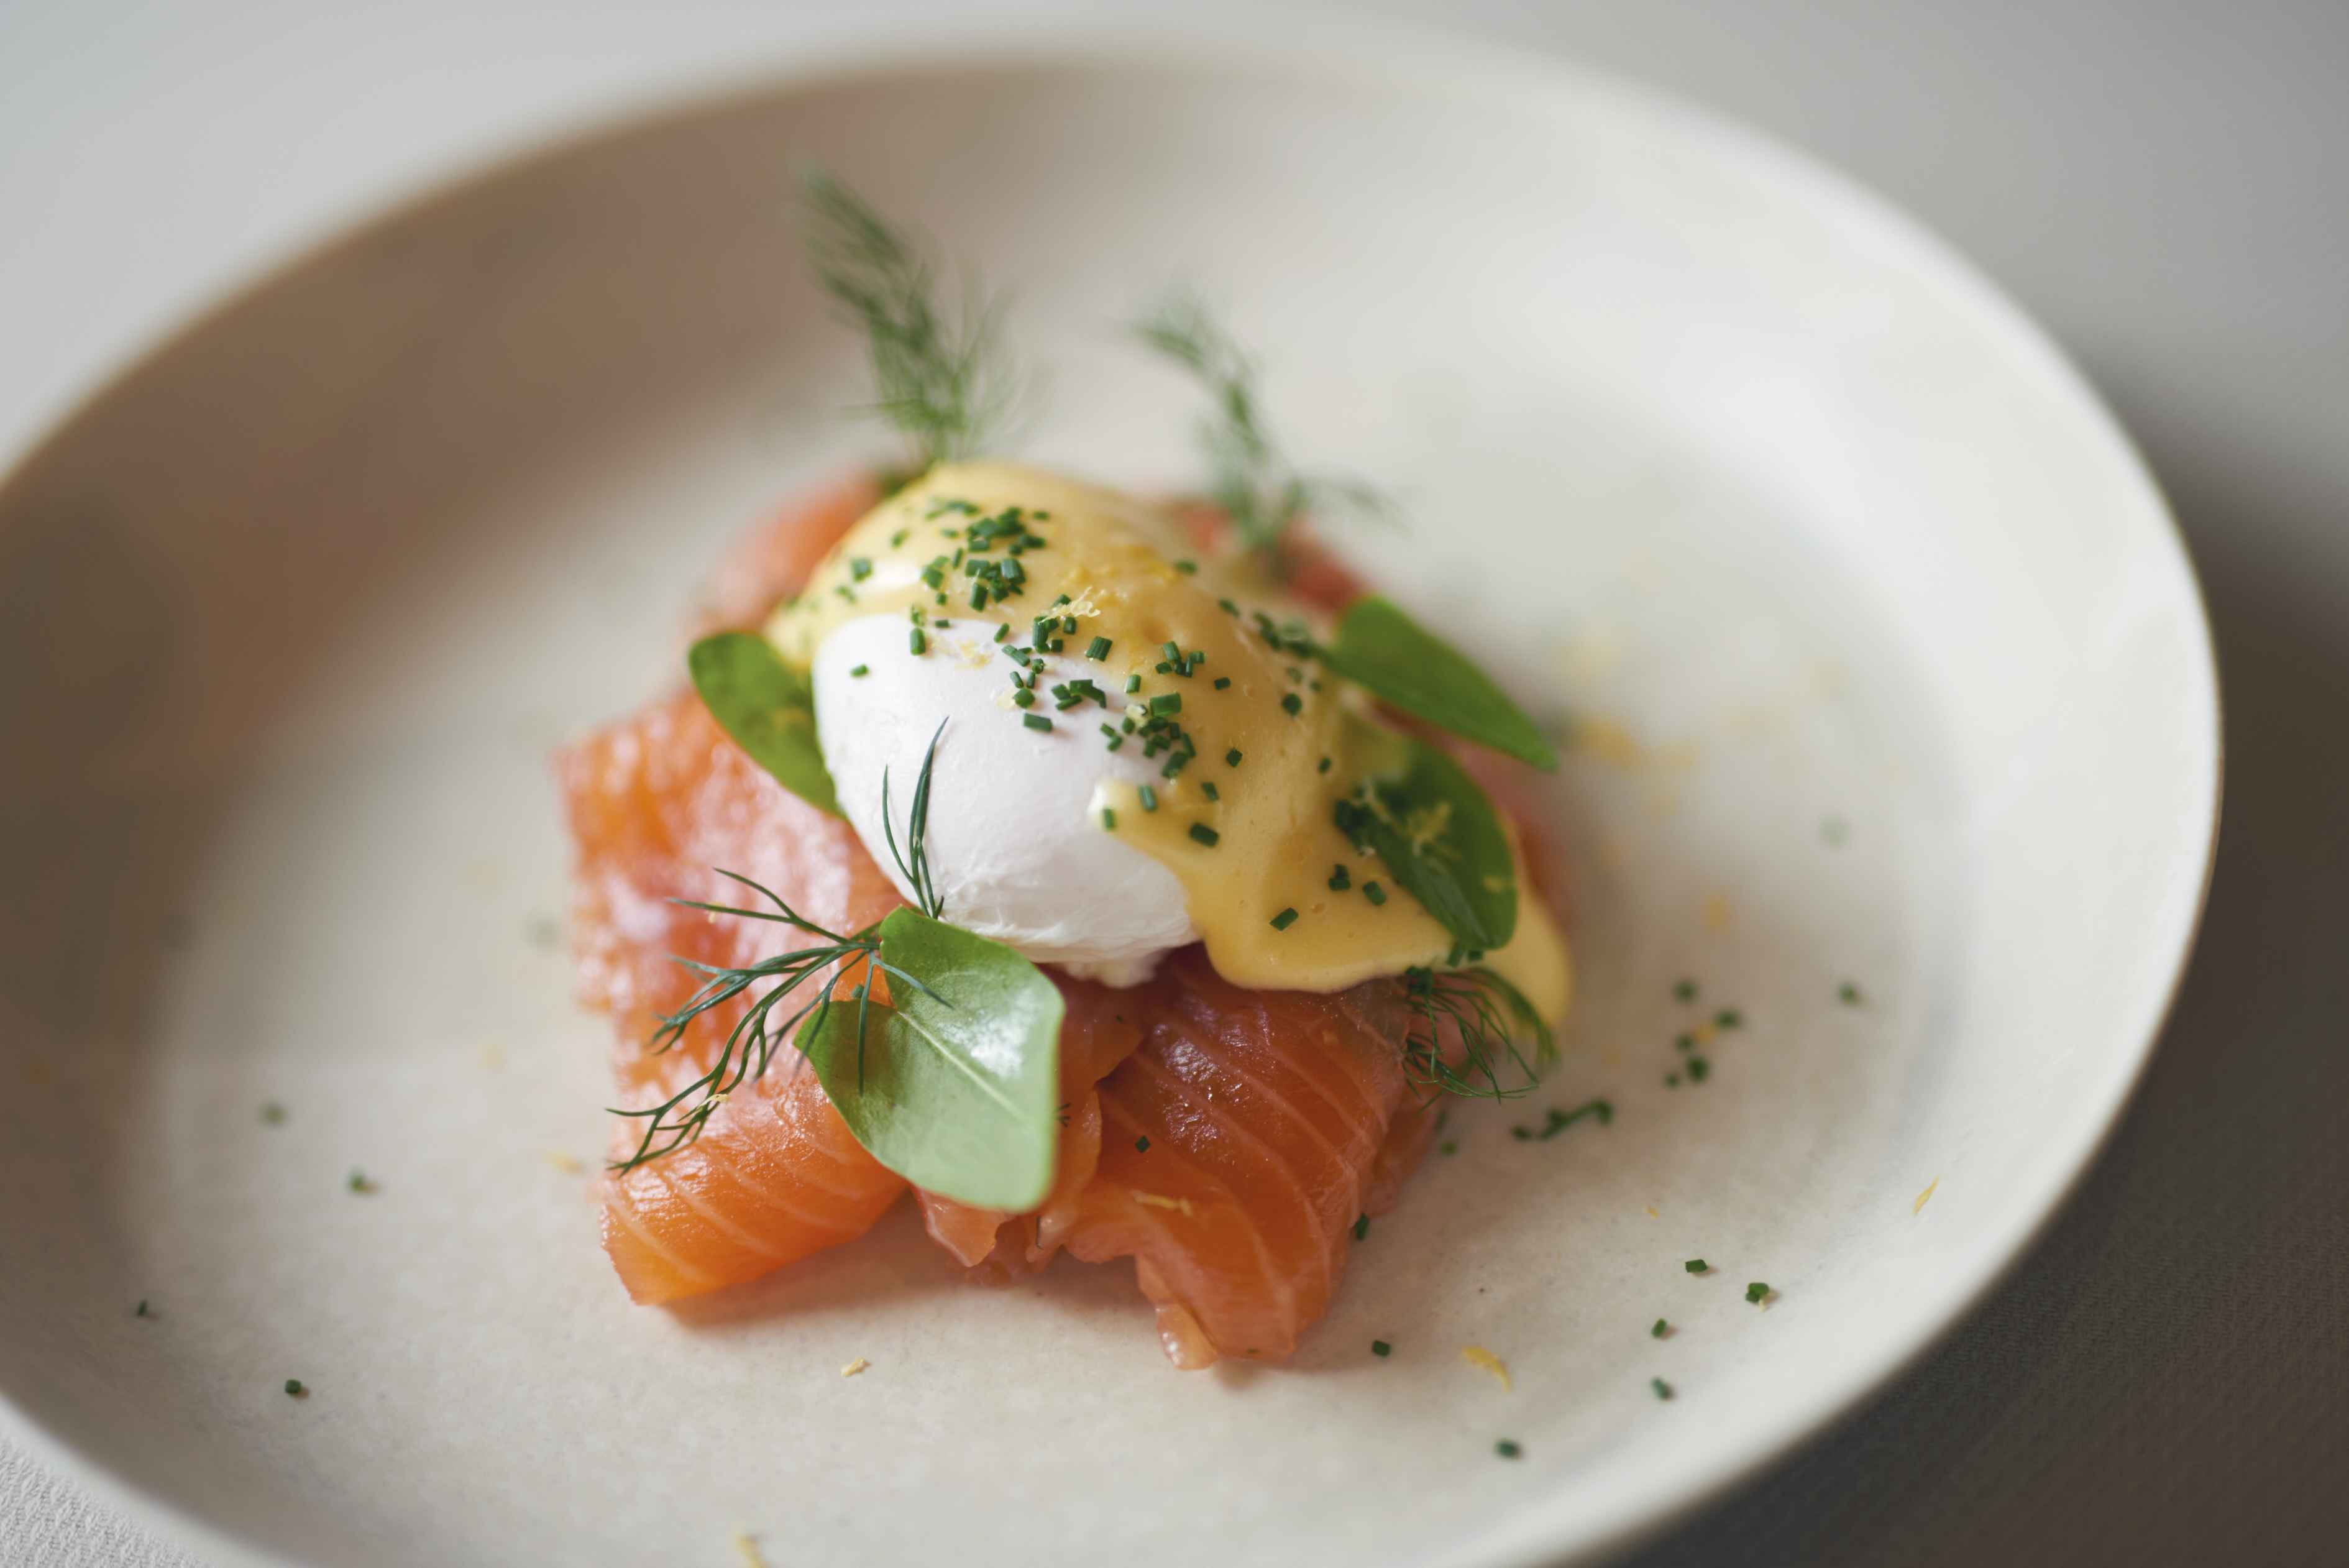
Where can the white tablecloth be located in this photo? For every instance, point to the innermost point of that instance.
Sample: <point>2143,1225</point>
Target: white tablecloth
<point>2167,1378</point>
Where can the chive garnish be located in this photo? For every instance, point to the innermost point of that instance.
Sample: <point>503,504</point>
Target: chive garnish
<point>140,1310</point>
<point>1684,1042</point>
<point>1024,698</point>
<point>1109,819</point>
<point>1757,1293</point>
<point>1698,1069</point>
<point>1098,649</point>
<point>1035,721</point>
<point>1283,921</point>
<point>293,1387</point>
<point>1134,683</point>
<point>1728,1018</point>
<point>1188,568</point>
<point>1361,1226</point>
<point>1685,991</point>
<point>1849,993</point>
<point>358,1181</point>
<point>861,671</point>
<point>1695,1265</point>
<point>1508,1450</point>
<point>1338,880</point>
<point>273,1114</point>
<point>1374,893</point>
<point>1292,704</point>
<point>1232,757</point>
<point>1149,798</point>
<point>1382,1348</point>
<point>1324,766</point>
<point>1661,1329</point>
<point>1205,835</point>
<point>917,640</point>
<point>1166,702</point>
<point>1228,606</point>
<point>1002,632</point>
<point>859,568</point>
<point>1209,790</point>
<point>1223,682</point>
<point>1663,1389</point>
<point>1142,1143</point>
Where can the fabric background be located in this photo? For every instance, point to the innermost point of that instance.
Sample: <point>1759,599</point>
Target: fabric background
<point>2166,1377</point>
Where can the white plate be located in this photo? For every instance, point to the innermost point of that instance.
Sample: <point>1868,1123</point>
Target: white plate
<point>1886,664</point>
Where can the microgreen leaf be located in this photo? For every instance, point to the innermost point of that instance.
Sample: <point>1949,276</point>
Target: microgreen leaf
<point>768,707</point>
<point>1431,823</point>
<point>1383,650</point>
<point>954,1085</point>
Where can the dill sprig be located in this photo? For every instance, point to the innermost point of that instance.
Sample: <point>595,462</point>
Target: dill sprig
<point>749,1046</point>
<point>945,383</point>
<point>1487,1015</point>
<point>1249,481</point>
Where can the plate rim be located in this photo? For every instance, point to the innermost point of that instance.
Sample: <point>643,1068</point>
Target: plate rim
<point>1396,55</point>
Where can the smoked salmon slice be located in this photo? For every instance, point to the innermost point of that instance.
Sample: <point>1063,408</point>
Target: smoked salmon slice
<point>1238,1150</point>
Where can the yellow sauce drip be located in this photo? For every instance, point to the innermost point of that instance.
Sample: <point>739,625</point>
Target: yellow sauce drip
<point>1276,843</point>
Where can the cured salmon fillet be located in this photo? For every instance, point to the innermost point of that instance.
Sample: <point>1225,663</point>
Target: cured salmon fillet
<point>1238,1149</point>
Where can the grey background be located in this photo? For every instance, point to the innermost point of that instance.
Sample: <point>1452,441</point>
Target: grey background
<point>2166,1377</point>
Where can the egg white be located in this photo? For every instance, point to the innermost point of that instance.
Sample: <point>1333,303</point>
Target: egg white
<point>1016,846</point>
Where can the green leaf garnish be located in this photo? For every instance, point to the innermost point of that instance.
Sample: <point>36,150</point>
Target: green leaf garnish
<point>1431,823</point>
<point>768,707</point>
<point>954,1084</point>
<point>1391,656</point>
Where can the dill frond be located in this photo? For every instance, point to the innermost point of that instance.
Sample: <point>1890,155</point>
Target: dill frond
<point>749,1046</point>
<point>1486,1016</point>
<point>941,377</point>
<point>1247,478</point>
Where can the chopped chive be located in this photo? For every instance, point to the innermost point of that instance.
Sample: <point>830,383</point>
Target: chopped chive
<point>1324,766</point>
<point>1002,632</point>
<point>1361,1226</point>
<point>1068,623</point>
<point>1134,683</point>
<point>1338,880</point>
<point>1149,798</point>
<point>1374,893</point>
<point>1228,606</point>
<point>1728,1018</point>
<point>1223,682</point>
<point>1663,1389</point>
<point>1142,1143</point>
<point>1672,1080</point>
<point>1292,704</point>
<point>1205,835</point>
<point>1035,721</point>
<point>861,671</point>
<point>1684,1042</point>
<point>1024,698</point>
<point>916,640</point>
<point>1283,921</point>
<point>1848,994</point>
<point>140,1310</point>
<point>1508,1450</point>
<point>1172,650</point>
<point>1698,1069</point>
<point>1166,702</point>
<point>1188,568</point>
<point>1209,790</point>
<point>1447,1147</point>
<point>1109,819</point>
<point>1661,1329</point>
<point>1232,757</point>
<point>1098,649</point>
<point>293,1387</point>
<point>1757,1293</point>
<point>358,1181</point>
<point>1695,1265</point>
<point>1685,991</point>
<point>859,568</point>
<point>1380,1347</point>
<point>273,1114</point>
